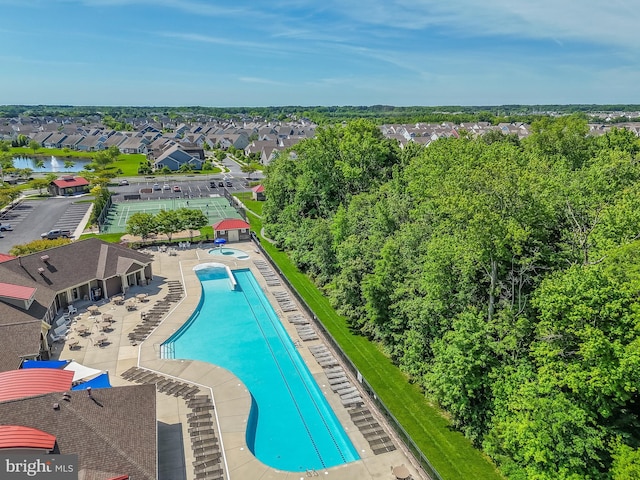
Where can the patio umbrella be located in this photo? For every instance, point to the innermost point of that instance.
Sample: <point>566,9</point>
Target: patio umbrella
<point>220,242</point>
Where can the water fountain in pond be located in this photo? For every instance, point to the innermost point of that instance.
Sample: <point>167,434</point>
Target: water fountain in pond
<point>55,165</point>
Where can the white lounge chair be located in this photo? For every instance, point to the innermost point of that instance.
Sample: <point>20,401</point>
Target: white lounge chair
<point>72,310</point>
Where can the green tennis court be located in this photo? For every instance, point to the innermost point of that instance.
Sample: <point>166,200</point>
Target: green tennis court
<point>215,208</point>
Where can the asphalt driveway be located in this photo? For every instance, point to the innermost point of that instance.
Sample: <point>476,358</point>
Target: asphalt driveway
<point>31,217</point>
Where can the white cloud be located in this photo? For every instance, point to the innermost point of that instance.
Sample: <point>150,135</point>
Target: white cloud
<point>610,23</point>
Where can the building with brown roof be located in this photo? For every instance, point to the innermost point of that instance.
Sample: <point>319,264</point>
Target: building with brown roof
<point>112,430</point>
<point>36,287</point>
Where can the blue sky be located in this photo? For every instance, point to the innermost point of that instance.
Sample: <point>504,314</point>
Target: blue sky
<point>330,52</point>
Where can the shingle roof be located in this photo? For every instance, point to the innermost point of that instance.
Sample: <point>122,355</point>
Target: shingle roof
<point>74,264</point>
<point>113,431</point>
<point>18,340</point>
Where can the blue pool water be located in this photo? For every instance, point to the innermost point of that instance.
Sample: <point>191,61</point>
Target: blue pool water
<point>229,252</point>
<point>291,426</point>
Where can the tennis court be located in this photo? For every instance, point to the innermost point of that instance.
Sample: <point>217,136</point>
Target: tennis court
<point>214,208</point>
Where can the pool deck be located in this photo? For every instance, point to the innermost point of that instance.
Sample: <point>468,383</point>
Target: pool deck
<point>231,398</point>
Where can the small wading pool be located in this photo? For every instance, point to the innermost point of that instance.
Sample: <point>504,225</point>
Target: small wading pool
<point>291,426</point>
<point>229,252</point>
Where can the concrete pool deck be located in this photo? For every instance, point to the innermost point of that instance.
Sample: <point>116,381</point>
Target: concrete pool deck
<point>231,398</point>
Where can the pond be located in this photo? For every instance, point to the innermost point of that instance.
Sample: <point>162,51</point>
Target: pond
<point>51,164</point>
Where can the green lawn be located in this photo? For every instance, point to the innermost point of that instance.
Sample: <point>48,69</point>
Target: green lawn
<point>47,152</point>
<point>449,451</point>
<point>107,237</point>
<point>247,199</point>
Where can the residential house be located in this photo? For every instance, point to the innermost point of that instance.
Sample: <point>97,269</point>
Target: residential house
<point>55,140</point>
<point>133,145</point>
<point>174,157</point>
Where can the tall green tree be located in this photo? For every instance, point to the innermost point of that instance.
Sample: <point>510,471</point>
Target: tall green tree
<point>142,225</point>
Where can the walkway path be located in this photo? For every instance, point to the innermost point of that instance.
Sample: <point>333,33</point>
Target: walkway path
<point>231,398</point>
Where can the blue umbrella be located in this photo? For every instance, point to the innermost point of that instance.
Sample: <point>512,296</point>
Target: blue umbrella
<point>220,241</point>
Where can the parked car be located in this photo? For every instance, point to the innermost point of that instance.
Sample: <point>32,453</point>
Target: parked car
<point>176,188</point>
<point>57,233</point>
<point>228,183</point>
<point>213,184</point>
<point>166,186</point>
<point>156,186</point>
<point>5,227</point>
<point>124,182</point>
<point>221,184</point>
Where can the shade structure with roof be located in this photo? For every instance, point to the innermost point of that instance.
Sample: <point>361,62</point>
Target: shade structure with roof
<point>45,363</point>
<point>101,381</point>
<point>81,372</point>
<point>28,382</point>
<point>18,436</point>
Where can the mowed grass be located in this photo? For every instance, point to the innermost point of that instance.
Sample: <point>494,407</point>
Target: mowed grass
<point>250,203</point>
<point>448,451</point>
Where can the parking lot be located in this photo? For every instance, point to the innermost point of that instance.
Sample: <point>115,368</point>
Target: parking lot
<point>30,218</point>
<point>159,187</point>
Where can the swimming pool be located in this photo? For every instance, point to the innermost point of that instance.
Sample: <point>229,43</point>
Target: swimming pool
<point>229,252</point>
<point>291,426</point>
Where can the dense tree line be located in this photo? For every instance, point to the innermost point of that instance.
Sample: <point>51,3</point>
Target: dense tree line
<point>118,117</point>
<point>503,276</point>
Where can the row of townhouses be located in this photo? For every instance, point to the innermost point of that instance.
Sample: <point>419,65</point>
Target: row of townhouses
<point>167,144</point>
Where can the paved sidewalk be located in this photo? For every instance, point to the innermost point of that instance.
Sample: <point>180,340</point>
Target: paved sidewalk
<point>231,398</point>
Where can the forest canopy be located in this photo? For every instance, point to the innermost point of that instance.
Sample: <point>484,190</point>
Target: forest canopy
<point>502,276</point>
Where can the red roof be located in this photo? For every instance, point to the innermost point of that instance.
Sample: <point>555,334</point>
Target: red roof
<point>230,224</point>
<point>33,381</point>
<point>258,188</point>
<point>16,436</point>
<point>69,181</point>
<point>5,258</point>
<point>16,291</point>
<point>121,477</point>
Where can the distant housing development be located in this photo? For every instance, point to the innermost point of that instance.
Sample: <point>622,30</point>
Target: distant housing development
<point>168,144</point>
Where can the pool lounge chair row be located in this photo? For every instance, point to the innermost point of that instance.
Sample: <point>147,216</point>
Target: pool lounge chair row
<point>164,384</point>
<point>152,318</point>
<point>204,441</point>
<point>269,275</point>
<point>306,333</point>
<point>298,319</point>
<point>372,431</point>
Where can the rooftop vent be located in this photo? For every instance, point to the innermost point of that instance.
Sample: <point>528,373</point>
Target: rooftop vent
<point>56,406</point>
<point>44,258</point>
<point>41,271</point>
